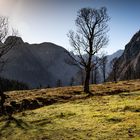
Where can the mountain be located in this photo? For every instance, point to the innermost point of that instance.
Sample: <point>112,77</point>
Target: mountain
<point>99,72</point>
<point>38,64</point>
<point>44,65</point>
<point>129,62</point>
<point>116,54</point>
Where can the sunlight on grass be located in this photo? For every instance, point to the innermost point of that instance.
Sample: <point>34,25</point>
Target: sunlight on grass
<point>98,117</point>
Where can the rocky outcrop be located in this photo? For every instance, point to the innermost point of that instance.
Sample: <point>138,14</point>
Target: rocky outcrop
<point>129,62</point>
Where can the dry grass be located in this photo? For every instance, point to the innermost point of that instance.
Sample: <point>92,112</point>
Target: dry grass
<point>109,115</point>
<point>75,92</point>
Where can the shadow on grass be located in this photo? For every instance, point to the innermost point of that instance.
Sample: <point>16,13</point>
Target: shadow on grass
<point>41,122</point>
<point>106,93</point>
<point>130,94</point>
<point>19,123</point>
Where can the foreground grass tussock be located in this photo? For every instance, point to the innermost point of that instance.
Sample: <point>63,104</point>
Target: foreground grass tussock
<point>102,116</point>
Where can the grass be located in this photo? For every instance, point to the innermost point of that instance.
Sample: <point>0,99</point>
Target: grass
<point>109,114</point>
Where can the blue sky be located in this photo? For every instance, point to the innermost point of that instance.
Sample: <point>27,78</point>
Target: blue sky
<point>50,20</point>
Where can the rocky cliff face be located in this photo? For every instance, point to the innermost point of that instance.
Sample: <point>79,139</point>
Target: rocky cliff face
<point>38,64</point>
<point>129,62</point>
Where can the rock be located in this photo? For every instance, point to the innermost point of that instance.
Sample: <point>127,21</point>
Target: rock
<point>9,110</point>
<point>34,104</point>
<point>25,104</point>
<point>129,62</point>
<point>15,105</point>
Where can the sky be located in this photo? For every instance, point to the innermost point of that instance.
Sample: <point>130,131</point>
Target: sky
<point>40,21</point>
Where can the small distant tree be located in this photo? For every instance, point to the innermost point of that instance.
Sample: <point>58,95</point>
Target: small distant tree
<point>103,66</point>
<point>48,86</point>
<point>95,71</point>
<point>81,76</point>
<point>72,81</point>
<point>40,86</point>
<point>130,72</point>
<point>59,83</point>
<point>89,39</point>
<point>95,75</point>
<point>114,66</point>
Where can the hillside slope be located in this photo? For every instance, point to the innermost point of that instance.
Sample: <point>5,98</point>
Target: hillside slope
<point>112,113</point>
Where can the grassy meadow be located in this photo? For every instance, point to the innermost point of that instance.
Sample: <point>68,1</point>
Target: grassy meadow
<point>112,113</point>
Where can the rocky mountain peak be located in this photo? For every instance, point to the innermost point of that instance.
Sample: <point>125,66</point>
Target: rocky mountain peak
<point>14,39</point>
<point>129,62</point>
<point>136,37</point>
<point>133,47</point>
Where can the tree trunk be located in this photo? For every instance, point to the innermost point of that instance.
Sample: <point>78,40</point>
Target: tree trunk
<point>95,76</point>
<point>92,77</point>
<point>115,76</point>
<point>2,100</point>
<point>104,76</point>
<point>87,80</point>
<point>2,103</point>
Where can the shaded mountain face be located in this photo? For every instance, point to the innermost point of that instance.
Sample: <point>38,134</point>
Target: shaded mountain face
<point>45,64</point>
<point>38,64</point>
<point>129,62</point>
<point>108,68</point>
<point>117,54</point>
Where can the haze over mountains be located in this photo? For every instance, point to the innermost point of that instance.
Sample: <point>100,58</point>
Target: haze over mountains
<point>45,64</point>
<point>41,65</point>
<point>117,54</point>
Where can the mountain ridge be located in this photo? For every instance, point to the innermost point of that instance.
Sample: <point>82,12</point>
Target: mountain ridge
<point>43,65</point>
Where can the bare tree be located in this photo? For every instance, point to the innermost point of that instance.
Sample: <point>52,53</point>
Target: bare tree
<point>95,75</point>
<point>59,83</point>
<point>103,66</point>
<point>80,76</point>
<point>89,39</point>
<point>5,47</point>
<point>72,81</point>
<point>95,71</point>
<point>114,66</point>
<point>130,72</point>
